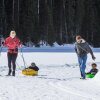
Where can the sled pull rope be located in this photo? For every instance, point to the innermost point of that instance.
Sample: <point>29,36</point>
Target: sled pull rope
<point>18,66</point>
<point>23,58</point>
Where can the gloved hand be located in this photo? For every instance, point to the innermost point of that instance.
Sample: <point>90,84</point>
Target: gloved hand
<point>93,57</point>
<point>20,46</point>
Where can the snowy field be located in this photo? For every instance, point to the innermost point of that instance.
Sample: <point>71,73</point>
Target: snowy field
<point>58,79</point>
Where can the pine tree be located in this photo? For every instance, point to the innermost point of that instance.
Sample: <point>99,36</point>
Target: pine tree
<point>51,20</point>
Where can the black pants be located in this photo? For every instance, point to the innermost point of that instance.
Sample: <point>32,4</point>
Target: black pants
<point>12,60</point>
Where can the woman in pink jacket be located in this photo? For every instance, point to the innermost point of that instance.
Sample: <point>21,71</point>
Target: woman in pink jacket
<point>12,43</point>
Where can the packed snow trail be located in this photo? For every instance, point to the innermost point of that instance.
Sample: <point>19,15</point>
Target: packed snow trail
<point>49,85</point>
<point>58,79</point>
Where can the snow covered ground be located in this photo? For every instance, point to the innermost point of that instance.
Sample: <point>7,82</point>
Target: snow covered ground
<point>58,78</point>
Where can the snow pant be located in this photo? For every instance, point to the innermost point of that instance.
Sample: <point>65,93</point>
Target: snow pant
<point>12,60</point>
<point>82,64</point>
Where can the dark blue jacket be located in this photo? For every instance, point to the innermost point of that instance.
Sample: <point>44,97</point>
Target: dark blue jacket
<point>93,71</point>
<point>34,68</point>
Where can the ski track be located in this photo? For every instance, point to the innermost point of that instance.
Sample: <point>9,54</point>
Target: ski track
<point>72,91</point>
<point>26,92</point>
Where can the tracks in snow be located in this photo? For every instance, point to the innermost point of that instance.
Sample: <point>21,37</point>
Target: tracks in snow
<point>71,91</point>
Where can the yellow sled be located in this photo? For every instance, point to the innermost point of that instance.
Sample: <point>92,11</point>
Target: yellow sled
<point>29,72</point>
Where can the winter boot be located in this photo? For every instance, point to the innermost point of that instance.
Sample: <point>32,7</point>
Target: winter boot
<point>13,73</point>
<point>83,78</point>
<point>9,73</point>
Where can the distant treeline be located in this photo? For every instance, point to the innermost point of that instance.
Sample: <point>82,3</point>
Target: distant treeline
<point>51,20</point>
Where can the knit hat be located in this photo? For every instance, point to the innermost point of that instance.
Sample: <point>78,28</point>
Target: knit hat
<point>12,34</point>
<point>78,37</point>
<point>33,64</point>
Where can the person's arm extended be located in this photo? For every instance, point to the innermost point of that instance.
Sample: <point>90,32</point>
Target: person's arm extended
<point>5,42</point>
<point>90,51</point>
<point>18,43</point>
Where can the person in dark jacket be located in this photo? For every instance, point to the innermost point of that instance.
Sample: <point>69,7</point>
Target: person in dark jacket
<point>12,43</point>
<point>82,48</point>
<point>33,66</point>
<point>31,70</point>
<point>94,69</point>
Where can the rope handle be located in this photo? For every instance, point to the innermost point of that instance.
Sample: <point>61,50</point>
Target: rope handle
<point>23,58</point>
